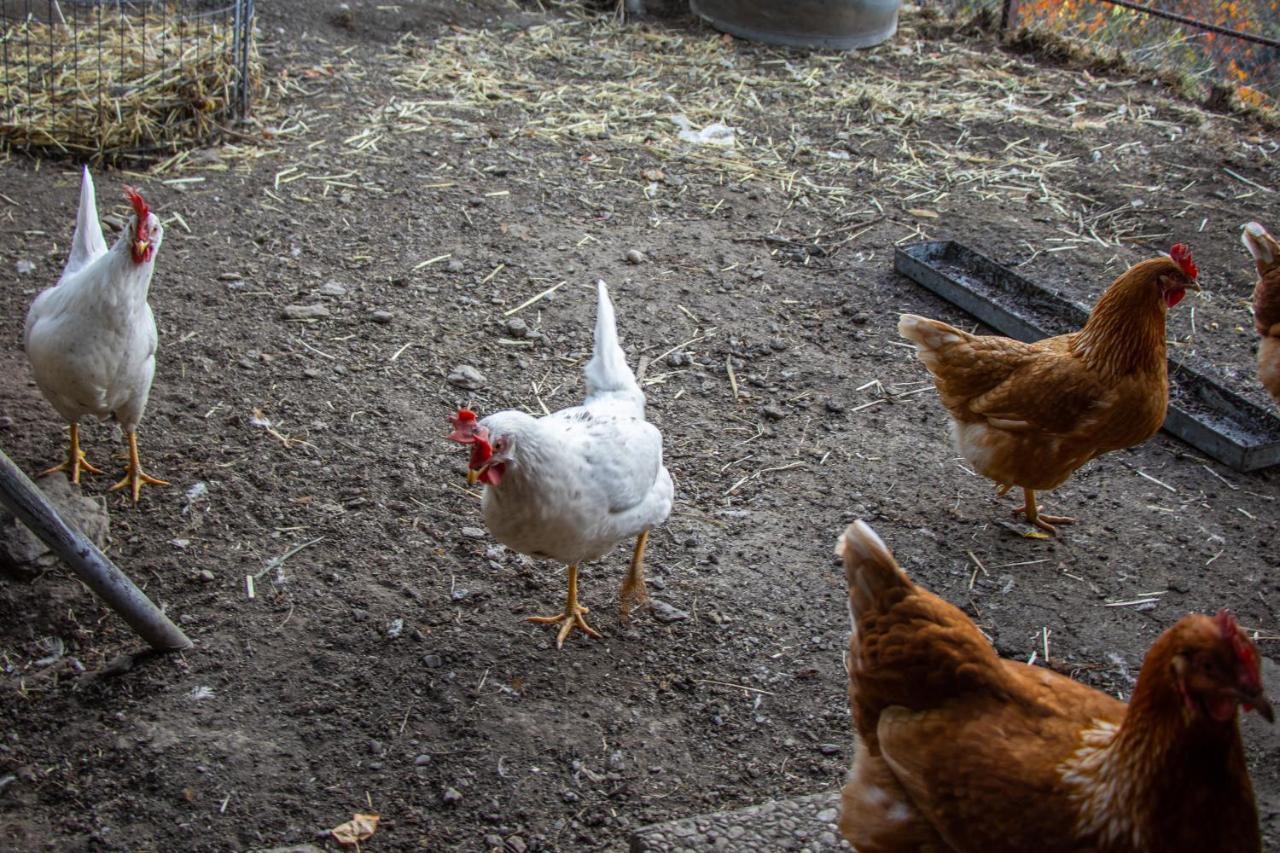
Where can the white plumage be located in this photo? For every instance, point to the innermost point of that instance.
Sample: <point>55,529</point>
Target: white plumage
<point>91,338</point>
<point>572,485</point>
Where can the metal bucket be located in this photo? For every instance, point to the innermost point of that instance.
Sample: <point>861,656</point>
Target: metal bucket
<point>839,24</point>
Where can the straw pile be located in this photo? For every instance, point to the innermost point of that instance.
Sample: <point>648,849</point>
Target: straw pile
<point>116,84</point>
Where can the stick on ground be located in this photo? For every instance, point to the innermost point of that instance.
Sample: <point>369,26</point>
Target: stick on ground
<point>30,506</point>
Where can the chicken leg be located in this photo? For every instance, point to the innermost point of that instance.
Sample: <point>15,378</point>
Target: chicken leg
<point>633,589</point>
<point>1032,512</point>
<point>75,459</point>
<point>572,616</point>
<point>134,476</point>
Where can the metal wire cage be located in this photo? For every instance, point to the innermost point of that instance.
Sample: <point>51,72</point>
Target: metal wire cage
<point>107,79</point>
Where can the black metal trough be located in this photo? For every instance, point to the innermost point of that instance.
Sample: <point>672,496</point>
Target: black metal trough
<point>1202,412</point>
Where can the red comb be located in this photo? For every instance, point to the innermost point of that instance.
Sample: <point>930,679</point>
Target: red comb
<point>1181,254</point>
<point>139,203</point>
<point>464,427</point>
<point>1246,654</point>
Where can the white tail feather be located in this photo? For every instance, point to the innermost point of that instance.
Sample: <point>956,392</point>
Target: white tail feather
<point>1259,243</point>
<point>87,243</point>
<point>607,373</point>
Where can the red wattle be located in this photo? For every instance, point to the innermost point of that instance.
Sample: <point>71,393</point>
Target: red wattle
<point>1173,297</point>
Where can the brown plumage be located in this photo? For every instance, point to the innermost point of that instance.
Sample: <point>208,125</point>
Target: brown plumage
<point>1029,415</point>
<point>960,751</point>
<point>1266,303</point>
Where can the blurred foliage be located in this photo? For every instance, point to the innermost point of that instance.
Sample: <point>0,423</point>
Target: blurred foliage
<point>1205,60</point>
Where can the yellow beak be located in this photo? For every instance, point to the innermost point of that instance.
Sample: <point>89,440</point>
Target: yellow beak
<point>140,246</point>
<point>472,476</point>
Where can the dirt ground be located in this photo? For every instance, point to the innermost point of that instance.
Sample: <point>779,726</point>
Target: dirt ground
<point>385,665</point>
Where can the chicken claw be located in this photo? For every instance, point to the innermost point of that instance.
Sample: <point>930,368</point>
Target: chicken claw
<point>1031,510</point>
<point>633,589</point>
<point>134,476</point>
<point>571,617</point>
<point>76,461</point>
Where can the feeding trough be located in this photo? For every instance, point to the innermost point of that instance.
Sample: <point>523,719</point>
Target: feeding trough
<point>1202,412</point>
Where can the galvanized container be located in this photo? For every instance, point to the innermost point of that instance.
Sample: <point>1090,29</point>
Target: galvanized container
<point>838,24</point>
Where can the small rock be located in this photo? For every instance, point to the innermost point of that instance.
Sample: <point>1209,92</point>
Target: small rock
<point>679,359</point>
<point>333,288</point>
<point>304,312</point>
<point>455,265</point>
<point>375,746</point>
<point>830,749</point>
<point>517,328</point>
<point>635,256</point>
<point>664,612</point>
<point>422,760</point>
<point>451,796</point>
<point>493,841</point>
<point>394,628</point>
<point>466,377</point>
<point>382,317</point>
<point>432,661</point>
<point>773,412</point>
<point>516,844</point>
<point>229,276</point>
<point>22,552</point>
<point>834,406</point>
<point>777,344</point>
<point>6,422</point>
<point>24,266</point>
<point>206,576</point>
<point>460,594</point>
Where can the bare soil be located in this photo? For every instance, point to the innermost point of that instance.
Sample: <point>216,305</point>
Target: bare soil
<point>386,666</point>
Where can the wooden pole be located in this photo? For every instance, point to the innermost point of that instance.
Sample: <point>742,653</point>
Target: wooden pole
<point>33,509</point>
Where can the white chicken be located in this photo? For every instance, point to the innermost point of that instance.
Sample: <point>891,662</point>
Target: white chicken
<point>572,485</point>
<point>91,338</point>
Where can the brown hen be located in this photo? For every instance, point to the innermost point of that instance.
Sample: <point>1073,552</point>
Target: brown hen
<point>1029,415</point>
<point>962,752</point>
<point>1266,303</point>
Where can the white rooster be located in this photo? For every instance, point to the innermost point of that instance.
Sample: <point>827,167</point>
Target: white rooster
<point>572,485</point>
<point>91,338</point>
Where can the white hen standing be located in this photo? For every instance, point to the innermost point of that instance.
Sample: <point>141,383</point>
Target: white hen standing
<point>572,485</point>
<point>91,338</point>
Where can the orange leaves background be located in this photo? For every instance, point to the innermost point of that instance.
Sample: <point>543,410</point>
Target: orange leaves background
<point>1253,69</point>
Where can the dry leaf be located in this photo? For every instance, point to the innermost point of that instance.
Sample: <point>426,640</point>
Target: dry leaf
<point>357,829</point>
<point>923,213</point>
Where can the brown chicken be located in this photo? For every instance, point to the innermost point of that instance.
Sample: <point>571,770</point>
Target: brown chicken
<point>962,752</point>
<point>1029,415</point>
<point>1266,303</point>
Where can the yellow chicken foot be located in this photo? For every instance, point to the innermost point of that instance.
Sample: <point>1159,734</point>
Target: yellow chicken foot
<point>633,589</point>
<point>75,460</point>
<point>1031,510</point>
<point>134,476</point>
<point>572,616</point>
